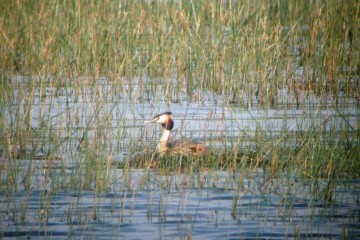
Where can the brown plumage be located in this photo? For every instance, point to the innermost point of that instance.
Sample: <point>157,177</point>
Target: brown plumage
<point>165,146</point>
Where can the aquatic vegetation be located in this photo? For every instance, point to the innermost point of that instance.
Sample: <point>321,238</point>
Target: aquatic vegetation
<point>271,87</point>
<point>241,50</point>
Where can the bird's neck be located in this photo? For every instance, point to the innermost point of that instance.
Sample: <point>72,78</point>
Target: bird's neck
<point>163,144</point>
<point>165,136</point>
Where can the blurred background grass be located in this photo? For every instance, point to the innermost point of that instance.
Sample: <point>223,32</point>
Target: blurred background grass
<point>234,48</point>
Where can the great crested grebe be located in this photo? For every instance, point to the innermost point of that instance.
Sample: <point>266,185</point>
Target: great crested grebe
<point>165,146</point>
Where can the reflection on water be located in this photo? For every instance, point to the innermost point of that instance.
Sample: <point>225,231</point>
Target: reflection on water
<point>210,205</point>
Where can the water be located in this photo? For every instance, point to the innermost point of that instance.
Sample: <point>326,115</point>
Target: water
<point>176,207</point>
<point>114,117</point>
<point>147,203</point>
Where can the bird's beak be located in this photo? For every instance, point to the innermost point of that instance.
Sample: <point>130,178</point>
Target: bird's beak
<point>151,121</point>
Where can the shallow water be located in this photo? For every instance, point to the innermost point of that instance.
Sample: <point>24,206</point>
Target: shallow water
<point>114,118</point>
<point>210,205</point>
<point>150,204</point>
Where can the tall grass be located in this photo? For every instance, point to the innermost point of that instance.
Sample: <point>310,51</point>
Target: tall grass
<point>273,54</point>
<point>235,48</point>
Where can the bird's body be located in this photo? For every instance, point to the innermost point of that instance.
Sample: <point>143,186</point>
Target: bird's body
<point>165,146</point>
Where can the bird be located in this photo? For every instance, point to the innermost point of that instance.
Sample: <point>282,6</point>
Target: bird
<point>165,146</point>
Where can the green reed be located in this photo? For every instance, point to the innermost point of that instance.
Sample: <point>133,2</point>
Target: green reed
<point>241,50</point>
<point>235,48</point>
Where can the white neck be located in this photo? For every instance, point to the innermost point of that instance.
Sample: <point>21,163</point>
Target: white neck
<point>163,143</point>
<point>165,136</point>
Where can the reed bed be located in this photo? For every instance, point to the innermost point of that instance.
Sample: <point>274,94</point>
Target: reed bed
<point>58,57</point>
<point>237,49</point>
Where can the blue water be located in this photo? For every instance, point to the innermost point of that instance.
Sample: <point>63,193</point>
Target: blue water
<point>147,204</point>
<point>182,208</point>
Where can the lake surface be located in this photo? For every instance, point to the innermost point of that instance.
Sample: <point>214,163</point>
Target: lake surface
<point>147,203</point>
<point>210,205</point>
<point>115,116</point>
